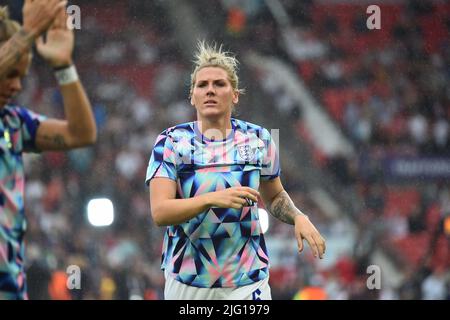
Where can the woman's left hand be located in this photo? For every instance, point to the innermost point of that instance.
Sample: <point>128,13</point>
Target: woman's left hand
<point>304,229</point>
<point>59,43</point>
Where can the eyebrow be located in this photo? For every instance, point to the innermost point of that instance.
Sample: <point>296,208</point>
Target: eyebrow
<point>215,80</point>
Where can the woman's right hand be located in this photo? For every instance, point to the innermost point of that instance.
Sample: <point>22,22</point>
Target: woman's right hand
<point>234,197</point>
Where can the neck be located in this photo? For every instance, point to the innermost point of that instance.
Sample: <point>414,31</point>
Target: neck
<point>215,129</point>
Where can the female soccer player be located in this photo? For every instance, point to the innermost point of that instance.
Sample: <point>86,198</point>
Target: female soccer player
<point>22,130</point>
<point>204,178</point>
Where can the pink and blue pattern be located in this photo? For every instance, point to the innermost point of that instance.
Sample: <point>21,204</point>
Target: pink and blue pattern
<point>221,247</point>
<point>18,127</point>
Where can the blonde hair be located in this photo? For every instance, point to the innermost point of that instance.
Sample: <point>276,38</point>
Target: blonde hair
<point>8,27</point>
<point>208,55</point>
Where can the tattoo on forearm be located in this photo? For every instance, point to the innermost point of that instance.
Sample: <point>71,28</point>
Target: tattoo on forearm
<point>284,209</point>
<point>13,49</point>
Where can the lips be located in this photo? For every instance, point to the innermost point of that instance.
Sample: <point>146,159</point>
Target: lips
<point>210,103</point>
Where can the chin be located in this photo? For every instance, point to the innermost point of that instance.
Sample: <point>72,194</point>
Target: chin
<point>213,114</point>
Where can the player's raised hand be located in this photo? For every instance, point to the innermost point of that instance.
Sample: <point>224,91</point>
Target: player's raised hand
<point>58,45</point>
<point>235,197</point>
<point>305,230</point>
<point>38,15</point>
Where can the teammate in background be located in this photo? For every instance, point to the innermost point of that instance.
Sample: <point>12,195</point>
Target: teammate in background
<point>204,178</point>
<point>22,130</point>
<point>38,15</point>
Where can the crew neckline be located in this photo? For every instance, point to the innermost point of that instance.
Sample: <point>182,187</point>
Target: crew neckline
<point>203,138</point>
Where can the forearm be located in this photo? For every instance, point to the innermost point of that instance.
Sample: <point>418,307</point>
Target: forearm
<point>12,50</point>
<point>283,208</point>
<point>79,115</point>
<point>176,211</point>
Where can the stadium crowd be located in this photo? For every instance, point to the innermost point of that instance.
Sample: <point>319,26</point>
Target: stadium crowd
<point>386,89</point>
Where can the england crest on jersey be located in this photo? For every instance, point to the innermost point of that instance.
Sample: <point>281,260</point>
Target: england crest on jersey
<point>245,152</point>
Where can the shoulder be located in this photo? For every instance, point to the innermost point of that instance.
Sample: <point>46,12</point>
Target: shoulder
<point>18,113</point>
<point>13,110</point>
<point>180,131</point>
<point>248,127</point>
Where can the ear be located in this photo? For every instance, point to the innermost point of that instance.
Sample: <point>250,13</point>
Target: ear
<point>192,100</point>
<point>235,97</point>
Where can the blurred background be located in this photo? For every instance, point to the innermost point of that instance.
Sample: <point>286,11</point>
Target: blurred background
<point>364,142</point>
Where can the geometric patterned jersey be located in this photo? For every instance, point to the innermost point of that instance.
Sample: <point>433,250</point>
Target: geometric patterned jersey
<point>220,247</point>
<point>18,127</point>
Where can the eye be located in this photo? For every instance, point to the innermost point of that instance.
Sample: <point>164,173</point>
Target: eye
<point>201,84</point>
<point>13,74</point>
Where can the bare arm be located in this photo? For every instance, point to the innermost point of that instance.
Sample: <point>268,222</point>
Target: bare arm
<point>281,206</point>
<point>13,49</point>
<point>278,202</point>
<point>37,17</point>
<point>78,129</point>
<point>166,210</point>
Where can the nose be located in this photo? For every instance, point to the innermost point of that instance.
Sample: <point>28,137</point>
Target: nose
<point>211,91</point>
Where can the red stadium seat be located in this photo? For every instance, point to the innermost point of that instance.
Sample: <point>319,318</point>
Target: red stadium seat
<point>434,32</point>
<point>334,100</point>
<point>433,217</point>
<point>413,247</point>
<point>401,201</point>
<point>441,257</point>
<point>306,70</point>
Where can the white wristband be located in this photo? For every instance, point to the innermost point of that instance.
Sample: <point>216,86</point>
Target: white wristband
<point>67,75</point>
